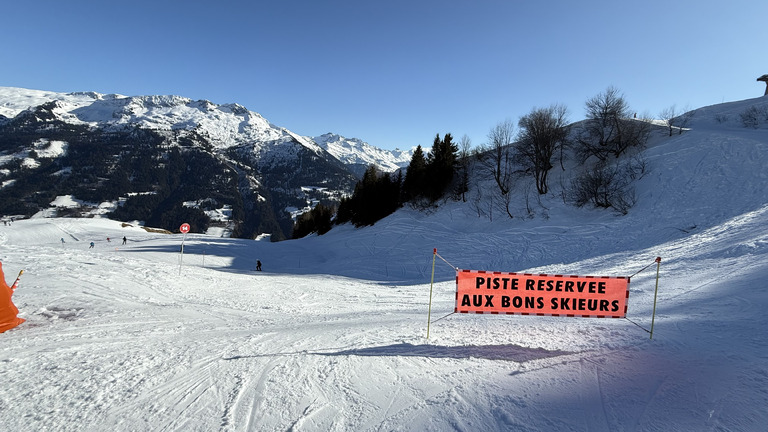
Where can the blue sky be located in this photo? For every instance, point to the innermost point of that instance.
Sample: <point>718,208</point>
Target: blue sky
<point>392,73</point>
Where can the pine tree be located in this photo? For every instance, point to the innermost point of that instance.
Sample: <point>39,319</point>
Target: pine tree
<point>316,220</point>
<point>441,166</point>
<point>376,196</point>
<point>413,184</point>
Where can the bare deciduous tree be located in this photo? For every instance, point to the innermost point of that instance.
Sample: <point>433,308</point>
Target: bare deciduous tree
<point>681,121</point>
<point>674,119</point>
<point>608,185</point>
<point>609,130</point>
<point>753,116</point>
<point>667,115</point>
<point>543,131</point>
<point>497,156</point>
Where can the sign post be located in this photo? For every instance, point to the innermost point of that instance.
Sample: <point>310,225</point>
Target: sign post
<point>429,314</point>
<point>184,228</point>
<point>655,293</point>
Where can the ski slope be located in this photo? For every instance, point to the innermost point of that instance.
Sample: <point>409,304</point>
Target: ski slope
<point>331,336</point>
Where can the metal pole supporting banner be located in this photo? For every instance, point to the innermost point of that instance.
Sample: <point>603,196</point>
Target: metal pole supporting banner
<point>429,314</point>
<point>655,293</point>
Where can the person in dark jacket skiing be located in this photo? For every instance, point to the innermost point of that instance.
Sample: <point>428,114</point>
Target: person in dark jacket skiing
<point>258,265</point>
<point>124,239</point>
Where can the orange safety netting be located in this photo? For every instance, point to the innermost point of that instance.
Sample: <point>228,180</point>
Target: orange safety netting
<point>8,311</point>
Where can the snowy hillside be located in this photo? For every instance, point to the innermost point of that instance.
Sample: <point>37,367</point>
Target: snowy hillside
<point>332,334</point>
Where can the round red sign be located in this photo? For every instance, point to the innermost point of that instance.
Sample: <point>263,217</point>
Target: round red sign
<point>184,228</point>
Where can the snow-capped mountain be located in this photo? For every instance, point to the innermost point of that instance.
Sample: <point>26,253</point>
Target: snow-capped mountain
<point>360,154</point>
<point>225,126</point>
<point>120,149</point>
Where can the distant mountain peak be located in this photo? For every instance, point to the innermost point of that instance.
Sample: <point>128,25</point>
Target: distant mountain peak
<point>354,151</point>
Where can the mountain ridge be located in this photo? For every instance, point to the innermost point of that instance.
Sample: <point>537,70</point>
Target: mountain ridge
<point>111,146</point>
<point>172,112</point>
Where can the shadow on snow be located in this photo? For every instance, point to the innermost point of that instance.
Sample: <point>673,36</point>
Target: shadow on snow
<point>508,352</point>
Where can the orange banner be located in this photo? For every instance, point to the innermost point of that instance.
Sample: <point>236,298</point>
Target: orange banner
<point>540,294</point>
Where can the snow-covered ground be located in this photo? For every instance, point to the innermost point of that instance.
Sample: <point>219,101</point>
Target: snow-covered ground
<point>332,334</point>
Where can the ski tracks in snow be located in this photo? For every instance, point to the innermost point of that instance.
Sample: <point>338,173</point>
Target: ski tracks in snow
<point>593,396</point>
